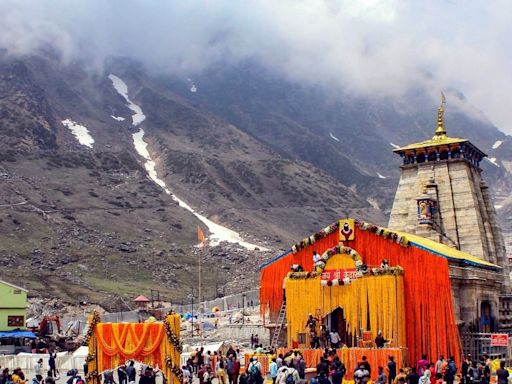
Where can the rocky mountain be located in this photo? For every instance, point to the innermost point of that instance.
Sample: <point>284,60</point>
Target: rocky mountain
<point>348,137</point>
<point>81,217</point>
<point>85,162</point>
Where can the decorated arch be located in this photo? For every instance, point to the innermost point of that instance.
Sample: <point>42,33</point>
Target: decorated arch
<point>155,344</point>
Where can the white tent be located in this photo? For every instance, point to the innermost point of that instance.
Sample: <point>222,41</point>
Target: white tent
<point>64,361</point>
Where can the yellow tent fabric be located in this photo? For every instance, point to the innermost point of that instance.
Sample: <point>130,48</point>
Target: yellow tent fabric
<point>446,251</point>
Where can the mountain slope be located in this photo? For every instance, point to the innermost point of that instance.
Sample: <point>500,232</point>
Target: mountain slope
<point>86,221</point>
<point>348,137</point>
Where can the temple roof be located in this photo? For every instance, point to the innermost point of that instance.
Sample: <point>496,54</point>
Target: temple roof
<point>440,137</point>
<point>431,143</point>
<point>449,253</point>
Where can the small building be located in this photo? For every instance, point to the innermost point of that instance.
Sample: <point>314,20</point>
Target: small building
<point>13,306</point>
<point>141,302</point>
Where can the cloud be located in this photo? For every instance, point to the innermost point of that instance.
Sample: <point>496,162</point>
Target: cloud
<point>368,47</point>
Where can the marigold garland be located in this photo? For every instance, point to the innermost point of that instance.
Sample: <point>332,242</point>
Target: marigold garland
<point>153,344</point>
<point>381,231</point>
<point>386,233</point>
<point>174,348</point>
<point>172,337</point>
<point>341,249</point>
<point>114,343</point>
<point>93,321</point>
<point>370,295</point>
<point>315,237</point>
<point>174,368</point>
<point>90,357</point>
<point>91,376</point>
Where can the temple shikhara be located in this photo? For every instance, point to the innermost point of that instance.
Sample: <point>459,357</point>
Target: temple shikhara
<point>441,196</point>
<point>438,269</point>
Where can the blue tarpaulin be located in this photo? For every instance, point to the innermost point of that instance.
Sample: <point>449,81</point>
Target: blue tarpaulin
<point>26,334</point>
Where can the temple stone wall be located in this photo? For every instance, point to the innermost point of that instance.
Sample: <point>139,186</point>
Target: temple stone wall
<point>462,219</point>
<point>465,218</point>
<point>470,288</point>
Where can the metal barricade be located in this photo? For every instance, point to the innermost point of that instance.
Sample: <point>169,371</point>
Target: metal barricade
<point>478,344</point>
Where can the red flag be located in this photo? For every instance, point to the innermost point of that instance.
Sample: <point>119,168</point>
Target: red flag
<point>200,235</point>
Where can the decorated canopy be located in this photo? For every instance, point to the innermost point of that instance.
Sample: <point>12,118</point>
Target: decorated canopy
<point>154,344</point>
<point>430,324</point>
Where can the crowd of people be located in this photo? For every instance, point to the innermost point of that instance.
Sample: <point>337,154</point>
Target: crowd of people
<point>289,368</point>
<point>17,376</point>
<point>207,366</point>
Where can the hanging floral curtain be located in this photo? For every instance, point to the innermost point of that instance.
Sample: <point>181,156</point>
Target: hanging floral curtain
<point>429,312</point>
<point>376,294</point>
<point>154,344</point>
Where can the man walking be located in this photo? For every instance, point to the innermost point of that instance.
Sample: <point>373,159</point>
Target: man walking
<point>391,369</point>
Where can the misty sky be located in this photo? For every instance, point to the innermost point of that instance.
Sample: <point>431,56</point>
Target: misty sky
<point>366,47</point>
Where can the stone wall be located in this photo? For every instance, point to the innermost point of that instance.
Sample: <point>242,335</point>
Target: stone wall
<point>465,219</point>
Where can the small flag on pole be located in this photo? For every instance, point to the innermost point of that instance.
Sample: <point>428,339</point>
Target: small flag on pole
<point>200,236</point>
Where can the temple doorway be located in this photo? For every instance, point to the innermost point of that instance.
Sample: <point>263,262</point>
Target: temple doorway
<point>336,321</point>
<point>486,318</point>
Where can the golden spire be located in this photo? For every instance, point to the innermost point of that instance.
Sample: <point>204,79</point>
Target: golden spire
<point>440,131</point>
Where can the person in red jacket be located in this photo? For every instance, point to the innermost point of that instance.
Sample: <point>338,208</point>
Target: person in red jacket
<point>200,374</point>
<point>233,369</point>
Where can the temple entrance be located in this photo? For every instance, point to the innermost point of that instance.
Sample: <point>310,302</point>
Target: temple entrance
<point>336,321</point>
<point>486,318</point>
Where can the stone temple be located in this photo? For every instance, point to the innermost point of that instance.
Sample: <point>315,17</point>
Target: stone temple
<point>442,196</point>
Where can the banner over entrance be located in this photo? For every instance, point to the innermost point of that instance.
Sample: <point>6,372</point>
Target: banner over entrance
<point>338,274</point>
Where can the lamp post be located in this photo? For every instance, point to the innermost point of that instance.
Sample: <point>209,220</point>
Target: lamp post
<point>243,308</point>
<point>191,296</point>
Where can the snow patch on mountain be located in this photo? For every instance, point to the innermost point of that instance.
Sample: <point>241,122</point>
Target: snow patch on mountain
<point>381,176</point>
<point>192,85</point>
<point>218,233</point>
<point>121,88</point>
<point>80,132</point>
<point>118,118</point>
<point>333,137</point>
<point>394,145</point>
<point>493,161</point>
<point>497,144</point>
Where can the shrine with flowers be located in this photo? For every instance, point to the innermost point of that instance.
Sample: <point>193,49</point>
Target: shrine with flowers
<point>155,344</point>
<point>371,280</point>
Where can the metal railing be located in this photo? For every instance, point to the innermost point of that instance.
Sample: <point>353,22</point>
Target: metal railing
<point>478,344</point>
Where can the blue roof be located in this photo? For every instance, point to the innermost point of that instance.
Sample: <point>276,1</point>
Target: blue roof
<point>27,334</point>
